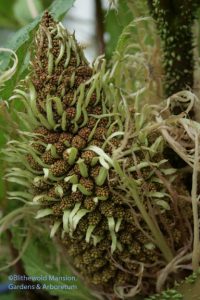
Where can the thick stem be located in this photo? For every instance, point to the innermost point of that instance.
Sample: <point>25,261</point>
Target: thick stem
<point>99,26</point>
<point>196,243</point>
<point>174,19</point>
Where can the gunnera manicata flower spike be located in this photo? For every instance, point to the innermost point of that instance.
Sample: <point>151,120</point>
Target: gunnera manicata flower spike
<point>93,173</point>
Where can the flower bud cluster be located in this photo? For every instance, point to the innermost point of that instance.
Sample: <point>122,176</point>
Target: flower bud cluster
<point>76,131</point>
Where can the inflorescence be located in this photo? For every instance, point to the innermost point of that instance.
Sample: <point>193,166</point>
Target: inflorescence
<point>101,186</point>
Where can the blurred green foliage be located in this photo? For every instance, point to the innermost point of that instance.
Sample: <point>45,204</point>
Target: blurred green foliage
<point>8,296</point>
<point>115,21</point>
<point>17,13</point>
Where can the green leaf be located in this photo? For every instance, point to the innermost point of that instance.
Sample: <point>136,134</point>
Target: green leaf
<point>17,13</point>
<point>7,17</point>
<point>25,12</point>
<point>59,8</point>
<point>21,41</point>
<point>115,21</point>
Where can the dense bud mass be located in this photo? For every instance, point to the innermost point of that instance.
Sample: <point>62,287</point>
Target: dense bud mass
<point>115,225</point>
